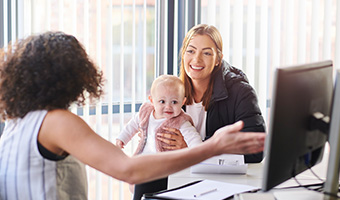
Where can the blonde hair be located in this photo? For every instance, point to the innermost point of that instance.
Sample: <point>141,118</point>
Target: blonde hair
<point>215,36</point>
<point>168,80</point>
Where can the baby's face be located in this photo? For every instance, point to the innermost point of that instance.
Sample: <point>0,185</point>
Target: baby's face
<point>167,101</point>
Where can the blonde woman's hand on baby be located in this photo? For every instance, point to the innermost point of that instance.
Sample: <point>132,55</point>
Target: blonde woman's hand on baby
<point>174,140</point>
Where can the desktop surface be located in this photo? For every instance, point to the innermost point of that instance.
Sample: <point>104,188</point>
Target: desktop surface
<point>253,177</point>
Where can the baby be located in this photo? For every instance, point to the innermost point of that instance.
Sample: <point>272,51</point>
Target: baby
<point>163,111</point>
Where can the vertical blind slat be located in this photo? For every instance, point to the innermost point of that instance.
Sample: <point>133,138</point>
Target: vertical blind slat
<point>337,37</point>
<point>121,77</point>
<point>289,50</point>
<point>110,86</point>
<point>175,43</point>
<point>99,102</point>
<point>144,50</point>
<point>121,83</point>
<point>61,14</point>
<point>165,41</point>
<point>28,17</point>
<point>110,74</point>
<point>314,49</point>
<point>13,20</point>
<point>186,5</point>
<point>99,62</point>
<point>74,16</point>
<point>250,34</point>
<point>74,32</point>
<point>86,45</point>
<point>237,41</point>
<point>263,64</point>
<point>161,24</point>
<point>20,21</point>
<point>48,13</point>
<point>211,10</point>
<point>276,47</point>
<point>133,78</point>
<point>5,11</point>
<point>301,54</point>
<point>327,30</point>
<point>225,30</point>
<point>158,38</point>
<point>133,106</point>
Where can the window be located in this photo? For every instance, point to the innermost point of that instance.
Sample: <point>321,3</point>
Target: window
<point>262,35</point>
<point>120,37</point>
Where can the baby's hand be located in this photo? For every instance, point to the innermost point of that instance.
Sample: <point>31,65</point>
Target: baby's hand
<point>120,144</point>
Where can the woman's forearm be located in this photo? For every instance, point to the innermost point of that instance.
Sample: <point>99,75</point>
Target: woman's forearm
<point>149,167</point>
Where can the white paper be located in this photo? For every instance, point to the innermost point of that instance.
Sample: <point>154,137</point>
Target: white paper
<point>219,190</point>
<point>223,164</point>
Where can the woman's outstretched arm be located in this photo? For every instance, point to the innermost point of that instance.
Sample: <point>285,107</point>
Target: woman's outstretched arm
<point>64,132</point>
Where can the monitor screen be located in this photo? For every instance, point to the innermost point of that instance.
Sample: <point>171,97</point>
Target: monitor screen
<point>292,146</point>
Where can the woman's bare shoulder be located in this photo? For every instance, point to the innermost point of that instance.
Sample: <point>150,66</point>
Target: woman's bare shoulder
<point>59,128</point>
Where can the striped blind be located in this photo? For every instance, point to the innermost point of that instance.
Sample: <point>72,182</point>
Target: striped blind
<point>119,36</point>
<point>261,35</point>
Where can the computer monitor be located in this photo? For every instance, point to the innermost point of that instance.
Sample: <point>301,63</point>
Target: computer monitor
<point>294,143</point>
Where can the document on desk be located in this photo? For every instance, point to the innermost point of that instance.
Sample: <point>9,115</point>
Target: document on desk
<point>223,164</point>
<point>207,190</point>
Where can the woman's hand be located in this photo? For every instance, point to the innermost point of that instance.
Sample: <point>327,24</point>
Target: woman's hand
<point>236,142</point>
<point>174,140</point>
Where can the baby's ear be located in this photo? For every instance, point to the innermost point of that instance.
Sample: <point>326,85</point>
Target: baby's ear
<point>150,98</point>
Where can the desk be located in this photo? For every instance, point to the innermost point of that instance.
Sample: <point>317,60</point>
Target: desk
<point>253,177</point>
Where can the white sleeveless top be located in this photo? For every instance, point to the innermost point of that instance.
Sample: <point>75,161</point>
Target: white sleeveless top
<point>26,174</point>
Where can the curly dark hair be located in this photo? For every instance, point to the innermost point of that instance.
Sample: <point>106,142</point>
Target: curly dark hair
<point>46,71</point>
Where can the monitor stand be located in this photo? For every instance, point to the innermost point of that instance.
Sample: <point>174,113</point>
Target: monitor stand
<point>332,179</point>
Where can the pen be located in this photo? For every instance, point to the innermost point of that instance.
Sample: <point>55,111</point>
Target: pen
<point>206,192</point>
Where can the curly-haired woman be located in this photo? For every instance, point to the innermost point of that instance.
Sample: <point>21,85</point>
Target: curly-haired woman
<point>44,146</point>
